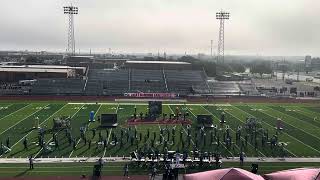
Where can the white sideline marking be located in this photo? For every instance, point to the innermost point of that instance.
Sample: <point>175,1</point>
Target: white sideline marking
<point>145,103</point>
<point>127,159</point>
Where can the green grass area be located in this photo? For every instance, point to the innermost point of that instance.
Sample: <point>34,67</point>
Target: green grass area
<point>116,169</point>
<point>301,134</point>
<point>301,129</point>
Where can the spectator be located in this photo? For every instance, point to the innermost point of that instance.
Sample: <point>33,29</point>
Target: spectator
<point>30,162</point>
<point>126,171</point>
<point>241,158</point>
<point>154,172</point>
<point>101,162</point>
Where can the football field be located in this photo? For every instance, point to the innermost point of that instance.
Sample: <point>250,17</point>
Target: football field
<point>20,122</point>
<point>300,136</point>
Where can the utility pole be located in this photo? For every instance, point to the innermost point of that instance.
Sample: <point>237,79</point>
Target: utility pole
<point>211,49</point>
<point>221,16</point>
<point>70,11</point>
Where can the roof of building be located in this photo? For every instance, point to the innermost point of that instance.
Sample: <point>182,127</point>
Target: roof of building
<point>90,57</point>
<point>37,68</point>
<point>157,62</point>
<point>40,67</point>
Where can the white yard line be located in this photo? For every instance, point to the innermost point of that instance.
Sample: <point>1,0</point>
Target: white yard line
<point>57,132</point>
<point>264,123</point>
<point>298,120</point>
<point>185,131</point>
<point>39,125</point>
<point>191,112</point>
<point>8,106</point>
<point>88,127</point>
<point>288,134</point>
<point>233,130</point>
<point>307,113</point>
<point>22,120</point>
<point>105,149</point>
<point>117,108</point>
<point>15,111</point>
<point>293,125</point>
<point>220,143</point>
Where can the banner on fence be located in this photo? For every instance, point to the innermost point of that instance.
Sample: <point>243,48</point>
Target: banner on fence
<point>152,95</point>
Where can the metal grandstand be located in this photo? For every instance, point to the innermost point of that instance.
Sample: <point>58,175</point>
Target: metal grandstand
<point>134,77</point>
<point>116,79</point>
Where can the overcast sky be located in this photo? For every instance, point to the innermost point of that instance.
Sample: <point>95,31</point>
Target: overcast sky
<point>264,27</point>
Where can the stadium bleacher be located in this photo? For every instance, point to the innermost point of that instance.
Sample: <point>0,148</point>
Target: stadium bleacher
<point>224,87</point>
<point>147,81</point>
<point>112,81</point>
<point>248,88</point>
<point>63,86</point>
<point>13,89</point>
<point>119,81</point>
<point>107,81</point>
<point>186,81</point>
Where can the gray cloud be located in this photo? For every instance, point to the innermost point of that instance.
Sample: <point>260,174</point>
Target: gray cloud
<point>270,27</point>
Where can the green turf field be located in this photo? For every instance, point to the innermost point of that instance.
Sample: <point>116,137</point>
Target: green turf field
<point>116,169</point>
<point>301,134</point>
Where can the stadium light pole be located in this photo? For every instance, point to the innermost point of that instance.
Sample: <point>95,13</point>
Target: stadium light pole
<point>211,44</point>
<point>221,16</point>
<point>71,11</point>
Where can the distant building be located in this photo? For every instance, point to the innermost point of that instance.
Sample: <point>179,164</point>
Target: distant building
<point>311,63</point>
<point>201,56</point>
<point>315,63</point>
<point>13,73</point>
<point>307,63</point>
